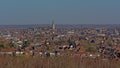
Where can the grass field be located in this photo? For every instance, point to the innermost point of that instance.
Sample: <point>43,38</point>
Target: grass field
<point>55,62</point>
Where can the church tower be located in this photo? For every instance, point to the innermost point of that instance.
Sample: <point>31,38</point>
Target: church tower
<point>53,25</point>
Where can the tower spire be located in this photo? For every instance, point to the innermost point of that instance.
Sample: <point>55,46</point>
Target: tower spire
<point>53,25</point>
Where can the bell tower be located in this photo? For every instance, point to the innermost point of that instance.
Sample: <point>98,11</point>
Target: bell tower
<point>53,25</point>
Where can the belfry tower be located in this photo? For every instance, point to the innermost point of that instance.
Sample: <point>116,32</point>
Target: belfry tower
<point>53,25</point>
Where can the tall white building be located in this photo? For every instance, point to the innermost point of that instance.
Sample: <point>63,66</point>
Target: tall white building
<point>116,32</point>
<point>53,25</point>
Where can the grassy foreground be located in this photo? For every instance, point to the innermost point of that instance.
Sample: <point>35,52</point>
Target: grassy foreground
<point>55,62</point>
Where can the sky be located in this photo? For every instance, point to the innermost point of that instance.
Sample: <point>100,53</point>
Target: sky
<point>61,11</point>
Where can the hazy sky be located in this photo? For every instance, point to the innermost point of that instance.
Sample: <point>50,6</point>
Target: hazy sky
<point>62,11</point>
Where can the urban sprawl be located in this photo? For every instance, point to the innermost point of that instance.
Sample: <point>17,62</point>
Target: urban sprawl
<point>90,41</point>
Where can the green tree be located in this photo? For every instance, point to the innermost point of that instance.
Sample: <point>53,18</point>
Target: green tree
<point>91,49</point>
<point>1,46</point>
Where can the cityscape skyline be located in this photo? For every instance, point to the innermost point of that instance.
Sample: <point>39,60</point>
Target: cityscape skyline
<point>59,34</point>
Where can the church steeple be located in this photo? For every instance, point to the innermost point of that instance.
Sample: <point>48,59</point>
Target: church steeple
<point>53,25</point>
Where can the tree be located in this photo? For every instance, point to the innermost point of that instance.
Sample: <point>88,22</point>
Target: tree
<point>91,49</point>
<point>11,45</point>
<point>1,46</point>
<point>25,44</point>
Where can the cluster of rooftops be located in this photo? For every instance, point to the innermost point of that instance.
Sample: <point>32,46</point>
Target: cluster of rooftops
<point>57,40</point>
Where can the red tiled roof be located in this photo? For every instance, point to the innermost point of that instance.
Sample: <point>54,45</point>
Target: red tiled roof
<point>8,49</point>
